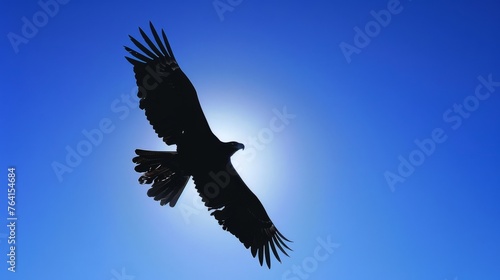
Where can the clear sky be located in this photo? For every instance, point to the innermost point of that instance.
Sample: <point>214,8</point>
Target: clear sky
<point>371,127</point>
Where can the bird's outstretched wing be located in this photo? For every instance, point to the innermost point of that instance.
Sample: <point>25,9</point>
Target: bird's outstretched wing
<point>239,211</point>
<point>167,96</point>
<point>172,107</point>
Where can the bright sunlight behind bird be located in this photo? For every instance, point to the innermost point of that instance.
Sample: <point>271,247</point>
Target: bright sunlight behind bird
<point>173,109</point>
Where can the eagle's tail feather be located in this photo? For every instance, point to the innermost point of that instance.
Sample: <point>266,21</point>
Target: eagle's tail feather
<point>163,170</point>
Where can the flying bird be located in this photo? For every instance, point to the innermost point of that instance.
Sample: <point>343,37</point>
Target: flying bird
<point>171,105</point>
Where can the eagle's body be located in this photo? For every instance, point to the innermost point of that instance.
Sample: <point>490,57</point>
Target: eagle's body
<point>173,109</point>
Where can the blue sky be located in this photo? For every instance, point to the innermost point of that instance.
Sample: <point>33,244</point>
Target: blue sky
<point>372,131</point>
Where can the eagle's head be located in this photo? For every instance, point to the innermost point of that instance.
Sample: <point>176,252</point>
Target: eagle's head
<point>233,146</point>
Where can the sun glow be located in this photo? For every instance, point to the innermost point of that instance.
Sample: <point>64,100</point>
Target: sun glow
<point>247,124</point>
<point>261,164</point>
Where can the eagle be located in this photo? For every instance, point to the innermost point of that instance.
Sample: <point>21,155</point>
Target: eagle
<point>171,105</point>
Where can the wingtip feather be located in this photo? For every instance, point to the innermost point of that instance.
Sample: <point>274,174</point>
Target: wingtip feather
<point>268,257</point>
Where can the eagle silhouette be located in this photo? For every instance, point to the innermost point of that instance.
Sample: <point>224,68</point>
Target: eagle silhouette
<point>172,107</point>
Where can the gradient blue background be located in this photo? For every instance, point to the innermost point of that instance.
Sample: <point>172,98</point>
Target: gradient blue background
<point>321,177</point>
